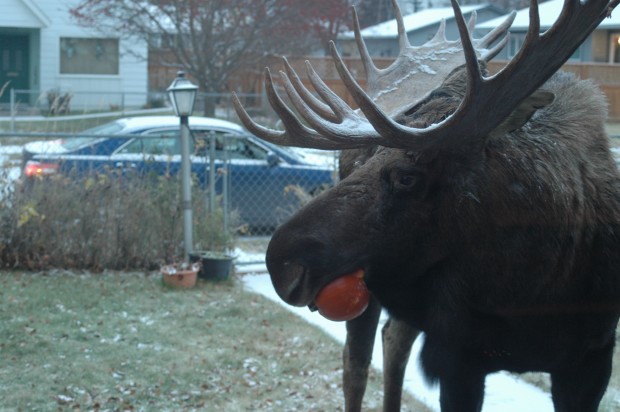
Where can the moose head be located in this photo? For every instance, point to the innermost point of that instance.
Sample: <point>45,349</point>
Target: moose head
<point>488,217</point>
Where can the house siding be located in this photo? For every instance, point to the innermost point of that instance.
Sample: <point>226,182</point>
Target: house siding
<point>128,87</point>
<point>15,14</point>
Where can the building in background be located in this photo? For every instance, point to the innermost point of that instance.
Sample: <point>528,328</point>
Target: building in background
<point>44,52</point>
<point>602,46</point>
<point>382,39</point>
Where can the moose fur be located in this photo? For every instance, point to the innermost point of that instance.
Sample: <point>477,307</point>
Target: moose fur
<point>506,256</point>
<point>397,336</point>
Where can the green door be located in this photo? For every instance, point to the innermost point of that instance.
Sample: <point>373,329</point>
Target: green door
<point>13,63</point>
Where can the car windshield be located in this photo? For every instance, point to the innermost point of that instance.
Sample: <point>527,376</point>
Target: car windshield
<point>104,129</point>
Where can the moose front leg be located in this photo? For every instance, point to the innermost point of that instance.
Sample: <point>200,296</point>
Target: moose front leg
<point>580,388</point>
<point>397,340</point>
<point>358,354</point>
<point>462,391</point>
<point>461,378</point>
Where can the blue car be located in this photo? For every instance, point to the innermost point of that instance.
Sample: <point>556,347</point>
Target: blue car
<point>259,175</point>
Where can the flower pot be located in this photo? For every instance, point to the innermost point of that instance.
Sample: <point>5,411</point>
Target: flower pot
<point>214,265</point>
<point>181,277</point>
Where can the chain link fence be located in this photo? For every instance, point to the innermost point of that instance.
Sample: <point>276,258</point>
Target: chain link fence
<point>58,106</point>
<point>90,194</point>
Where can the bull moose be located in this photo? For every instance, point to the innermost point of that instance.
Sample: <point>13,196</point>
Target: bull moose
<point>397,336</point>
<point>488,217</point>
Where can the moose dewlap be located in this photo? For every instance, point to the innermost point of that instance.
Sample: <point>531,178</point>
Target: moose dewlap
<point>344,298</point>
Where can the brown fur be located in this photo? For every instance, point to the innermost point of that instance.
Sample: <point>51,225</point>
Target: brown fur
<point>397,337</point>
<point>507,257</point>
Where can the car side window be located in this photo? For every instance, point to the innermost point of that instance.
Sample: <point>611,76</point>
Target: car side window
<point>242,148</point>
<point>200,142</point>
<point>134,146</point>
<point>158,143</point>
<point>226,146</point>
<point>166,143</point>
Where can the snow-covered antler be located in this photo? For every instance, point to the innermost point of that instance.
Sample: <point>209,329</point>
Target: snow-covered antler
<point>415,72</point>
<point>487,103</point>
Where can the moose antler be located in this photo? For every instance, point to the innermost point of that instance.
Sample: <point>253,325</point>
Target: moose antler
<point>487,103</point>
<point>419,70</point>
<point>415,72</point>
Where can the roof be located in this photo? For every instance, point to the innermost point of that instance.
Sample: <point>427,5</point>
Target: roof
<point>32,5</point>
<point>548,12</point>
<point>165,121</point>
<point>414,21</point>
<point>22,14</point>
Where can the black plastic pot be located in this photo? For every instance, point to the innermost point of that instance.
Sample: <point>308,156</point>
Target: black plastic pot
<point>214,265</point>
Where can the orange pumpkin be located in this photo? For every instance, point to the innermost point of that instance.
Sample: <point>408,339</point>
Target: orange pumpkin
<point>344,298</point>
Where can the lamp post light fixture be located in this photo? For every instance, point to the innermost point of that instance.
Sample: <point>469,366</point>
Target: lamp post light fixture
<point>182,94</point>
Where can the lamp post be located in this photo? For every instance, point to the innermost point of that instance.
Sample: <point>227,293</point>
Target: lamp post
<point>182,94</point>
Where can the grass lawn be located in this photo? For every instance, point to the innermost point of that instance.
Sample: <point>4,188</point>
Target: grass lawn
<point>126,342</point>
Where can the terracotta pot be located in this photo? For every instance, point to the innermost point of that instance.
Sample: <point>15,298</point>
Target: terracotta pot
<point>179,277</point>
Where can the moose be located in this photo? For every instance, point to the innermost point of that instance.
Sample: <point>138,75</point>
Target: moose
<point>397,336</point>
<point>488,217</point>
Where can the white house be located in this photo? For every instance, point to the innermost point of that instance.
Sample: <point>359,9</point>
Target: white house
<point>43,50</point>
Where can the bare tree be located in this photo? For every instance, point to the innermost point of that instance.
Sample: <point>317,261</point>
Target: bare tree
<point>371,12</point>
<point>213,40</point>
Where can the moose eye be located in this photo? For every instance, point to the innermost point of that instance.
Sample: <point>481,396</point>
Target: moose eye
<point>407,181</point>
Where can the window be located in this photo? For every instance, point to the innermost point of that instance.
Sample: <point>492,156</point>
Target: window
<point>226,146</point>
<point>515,42</point>
<point>167,143</point>
<point>517,39</point>
<point>161,146</point>
<point>104,129</point>
<point>615,48</point>
<point>88,56</point>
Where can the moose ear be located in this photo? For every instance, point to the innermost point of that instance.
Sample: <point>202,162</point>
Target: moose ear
<point>524,111</point>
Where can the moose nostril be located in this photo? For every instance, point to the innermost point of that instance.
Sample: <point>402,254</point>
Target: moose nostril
<point>288,279</point>
<point>293,269</point>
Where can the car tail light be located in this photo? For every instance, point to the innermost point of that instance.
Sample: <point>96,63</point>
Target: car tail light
<point>34,169</point>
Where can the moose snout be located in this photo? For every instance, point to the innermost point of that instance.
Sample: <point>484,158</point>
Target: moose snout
<point>313,248</point>
<point>296,265</point>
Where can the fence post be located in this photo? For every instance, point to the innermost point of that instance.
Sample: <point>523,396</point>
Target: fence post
<point>211,172</point>
<point>12,108</point>
<point>225,188</point>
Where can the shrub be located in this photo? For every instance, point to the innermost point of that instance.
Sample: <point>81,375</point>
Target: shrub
<point>58,103</point>
<point>106,221</point>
